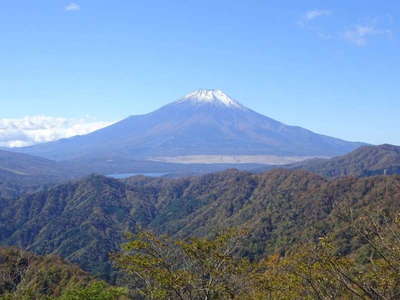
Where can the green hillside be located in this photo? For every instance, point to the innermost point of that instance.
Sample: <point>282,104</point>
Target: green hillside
<point>84,221</point>
<point>365,161</point>
<point>24,275</point>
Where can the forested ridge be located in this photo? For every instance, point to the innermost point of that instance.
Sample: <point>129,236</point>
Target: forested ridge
<point>163,267</point>
<point>25,276</point>
<point>362,162</point>
<point>83,221</point>
<point>280,234</point>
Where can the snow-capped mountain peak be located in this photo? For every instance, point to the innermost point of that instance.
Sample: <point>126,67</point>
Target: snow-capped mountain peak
<point>205,122</point>
<point>211,96</point>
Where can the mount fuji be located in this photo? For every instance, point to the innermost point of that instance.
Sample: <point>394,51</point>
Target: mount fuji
<point>204,124</point>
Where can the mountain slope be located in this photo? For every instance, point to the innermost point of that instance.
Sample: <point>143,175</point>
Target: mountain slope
<point>279,208</point>
<point>206,122</point>
<point>82,221</point>
<point>85,220</point>
<point>28,276</point>
<point>21,164</point>
<point>19,169</point>
<point>365,161</point>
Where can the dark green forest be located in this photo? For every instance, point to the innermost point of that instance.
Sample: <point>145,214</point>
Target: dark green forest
<point>280,234</point>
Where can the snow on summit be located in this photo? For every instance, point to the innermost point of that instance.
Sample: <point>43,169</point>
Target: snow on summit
<point>211,96</point>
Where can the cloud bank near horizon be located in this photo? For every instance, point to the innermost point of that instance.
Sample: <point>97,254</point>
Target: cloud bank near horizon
<point>33,130</point>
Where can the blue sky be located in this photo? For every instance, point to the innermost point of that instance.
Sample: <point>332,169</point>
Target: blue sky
<point>329,66</point>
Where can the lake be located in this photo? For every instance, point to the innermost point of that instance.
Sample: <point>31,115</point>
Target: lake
<point>126,175</point>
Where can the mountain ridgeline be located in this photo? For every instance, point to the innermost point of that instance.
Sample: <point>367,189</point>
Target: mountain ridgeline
<point>365,161</point>
<point>21,173</point>
<point>84,221</point>
<point>205,122</point>
<point>26,169</point>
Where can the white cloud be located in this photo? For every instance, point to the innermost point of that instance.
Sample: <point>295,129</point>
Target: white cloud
<point>360,34</point>
<point>306,22</point>
<point>307,18</point>
<point>72,7</point>
<point>39,129</point>
<point>313,14</point>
